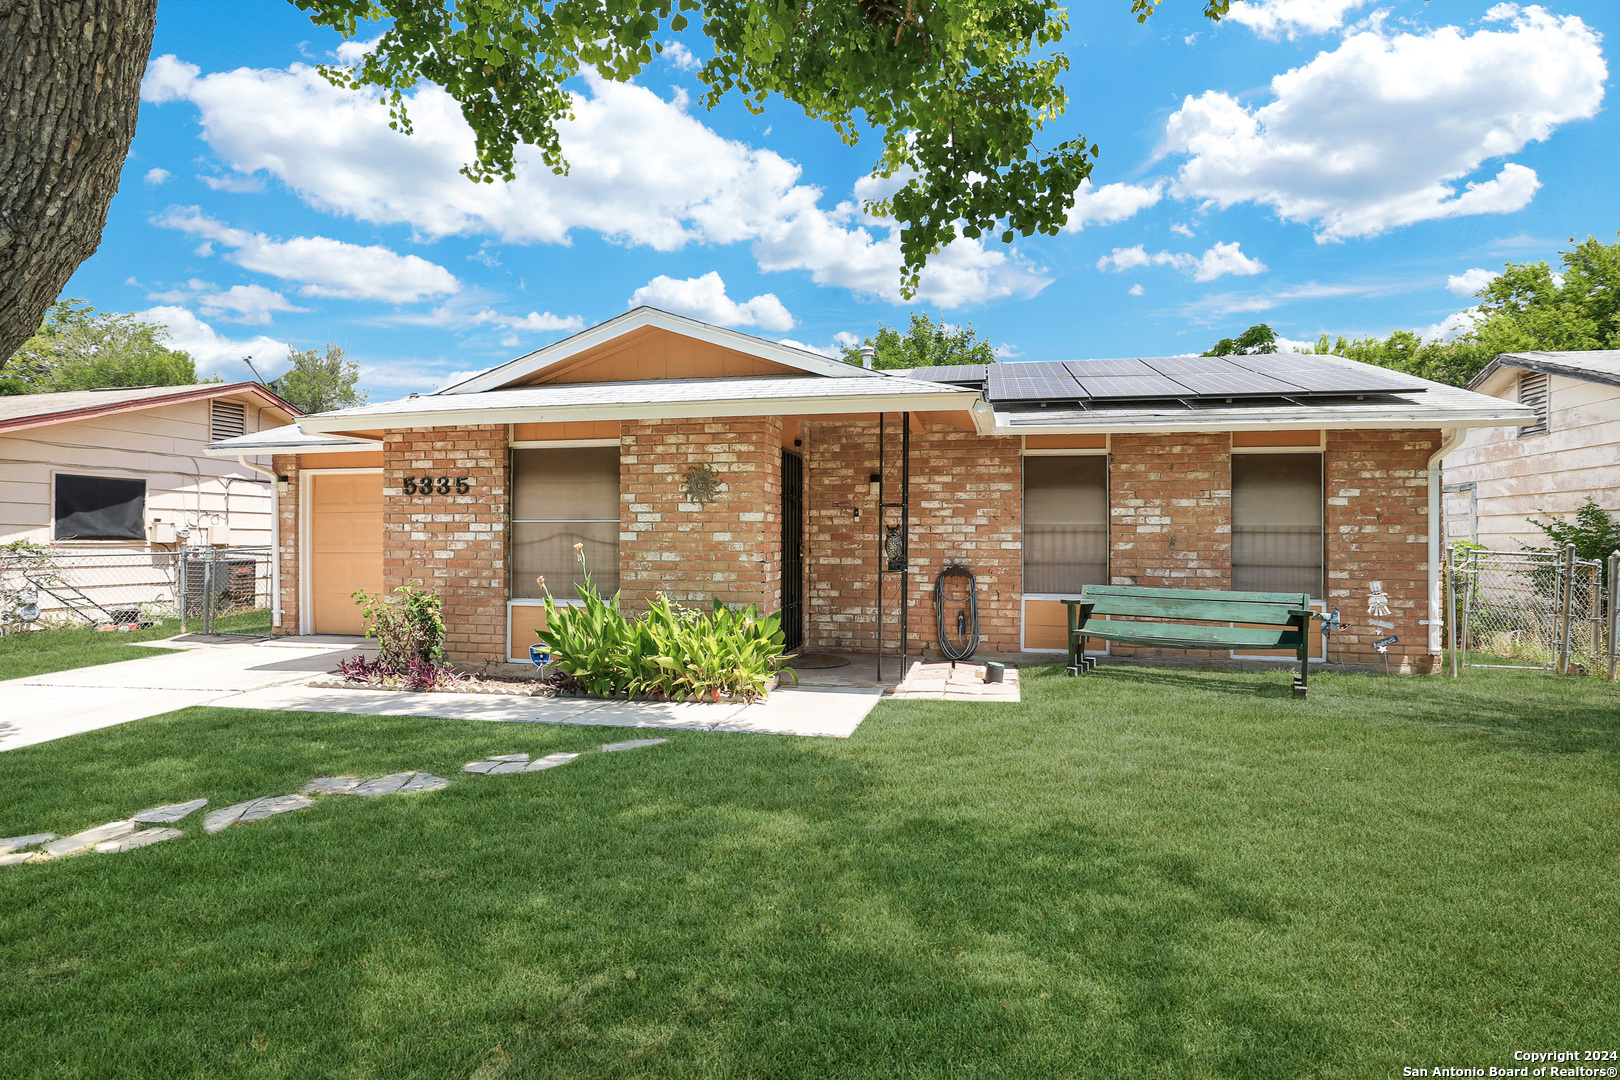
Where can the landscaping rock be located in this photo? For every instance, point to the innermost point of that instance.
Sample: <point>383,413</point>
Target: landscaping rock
<point>165,815</point>
<point>332,785</point>
<point>479,768</point>
<point>138,840</point>
<point>89,838</point>
<point>633,744</point>
<point>15,842</point>
<point>259,809</point>
<point>550,761</point>
<point>220,819</point>
<point>424,781</point>
<point>507,767</point>
<point>384,785</point>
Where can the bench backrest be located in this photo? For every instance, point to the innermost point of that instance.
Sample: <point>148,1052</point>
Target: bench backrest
<point>1267,609</point>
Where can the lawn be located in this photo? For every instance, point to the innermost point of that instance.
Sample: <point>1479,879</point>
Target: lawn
<point>1143,873</point>
<point>41,652</point>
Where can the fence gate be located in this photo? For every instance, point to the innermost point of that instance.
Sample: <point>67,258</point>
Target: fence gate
<point>1529,609</point>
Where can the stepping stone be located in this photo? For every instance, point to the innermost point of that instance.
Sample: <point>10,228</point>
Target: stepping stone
<point>633,744</point>
<point>90,837</point>
<point>550,761</point>
<point>384,785</point>
<point>259,809</point>
<point>138,840</point>
<point>165,815</point>
<point>15,842</point>
<point>507,767</point>
<point>331,785</point>
<point>220,819</point>
<point>508,757</point>
<point>424,781</point>
<point>19,857</point>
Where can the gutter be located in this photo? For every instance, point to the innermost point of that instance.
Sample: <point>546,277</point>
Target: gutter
<point>275,537</point>
<point>1163,424</point>
<point>1449,442</point>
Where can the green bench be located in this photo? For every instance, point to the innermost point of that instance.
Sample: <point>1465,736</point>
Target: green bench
<point>1283,620</point>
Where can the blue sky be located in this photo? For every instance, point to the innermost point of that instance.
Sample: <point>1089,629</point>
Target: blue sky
<point>1323,165</point>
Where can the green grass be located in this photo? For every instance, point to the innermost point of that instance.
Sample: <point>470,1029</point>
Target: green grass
<point>1142,873</point>
<point>41,652</point>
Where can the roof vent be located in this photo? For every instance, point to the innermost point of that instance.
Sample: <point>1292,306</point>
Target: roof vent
<point>867,352</point>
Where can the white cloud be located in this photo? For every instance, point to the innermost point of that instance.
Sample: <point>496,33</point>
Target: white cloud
<point>352,52</point>
<point>1137,290</point>
<point>1470,282</point>
<point>534,322</point>
<point>1274,18</point>
<point>326,267</point>
<point>1377,133</point>
<point>1110,203</point>
<point>1453,325</point>
<point>213,352</point>
<point>680,57</point>
<point>1182,230</point>
<point>644,172</point>
<point>1218,261</point>
<point>156,176</point>
<point>251,303</point>
<point>705,298</point>
<point>833,350</point>
<point>238,185</point>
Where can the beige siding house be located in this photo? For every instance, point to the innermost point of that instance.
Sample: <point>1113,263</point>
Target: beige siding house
<point>1503,476</point>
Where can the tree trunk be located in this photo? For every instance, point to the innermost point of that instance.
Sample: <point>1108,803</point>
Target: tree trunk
<point>70,86</point>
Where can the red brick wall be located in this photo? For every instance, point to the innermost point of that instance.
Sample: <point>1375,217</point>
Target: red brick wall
<point>287,545</point>
<point>731,548</point>
<point>1378,530</point>
<point>966,506</point>
<point>454,544</point>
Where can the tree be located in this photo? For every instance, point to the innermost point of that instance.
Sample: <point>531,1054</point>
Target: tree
<point>1594,531</point>
<point>320,382</point>
<point>78,348</point>
<point>926,344</point>
<point>1258,338</point>
<point>960,94</point>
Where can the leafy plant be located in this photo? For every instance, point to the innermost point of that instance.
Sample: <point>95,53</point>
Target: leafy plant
<point>24,565</point>
<point>417,673</point>
<point>1593,530</point>
<point>407,625</point>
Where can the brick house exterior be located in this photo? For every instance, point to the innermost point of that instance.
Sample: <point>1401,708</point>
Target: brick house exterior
<point>671,397</point>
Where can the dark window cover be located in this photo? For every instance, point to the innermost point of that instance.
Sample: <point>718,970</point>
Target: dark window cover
<point>100,508</point>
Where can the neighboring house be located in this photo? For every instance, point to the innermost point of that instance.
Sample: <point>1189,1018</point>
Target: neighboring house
<point>120,472</point>
<point>1568,451</point>
<point>702,463</point>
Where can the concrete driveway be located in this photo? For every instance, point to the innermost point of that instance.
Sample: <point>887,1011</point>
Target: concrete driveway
<point>271,675</point>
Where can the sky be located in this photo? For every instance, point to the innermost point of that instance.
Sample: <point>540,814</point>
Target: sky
<point>1325,166</point>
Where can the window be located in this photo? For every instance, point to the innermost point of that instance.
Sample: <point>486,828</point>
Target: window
<point>227,420</point>
<point>1065,523</point>
<point>560,498</point>
<point>1533,392</point>
<point>99,508</point>
<point>1277,523</point>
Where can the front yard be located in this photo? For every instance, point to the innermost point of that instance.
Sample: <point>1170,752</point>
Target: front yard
<point>1144,873</point>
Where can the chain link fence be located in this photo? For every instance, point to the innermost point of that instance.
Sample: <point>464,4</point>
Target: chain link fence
<point>1528,609</point>
<point>201,590</point>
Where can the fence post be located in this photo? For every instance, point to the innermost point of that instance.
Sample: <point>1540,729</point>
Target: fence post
<point>1566,572</point>
<point>1614,611</point>
<point>1451,608</point>
<point>185,585</point>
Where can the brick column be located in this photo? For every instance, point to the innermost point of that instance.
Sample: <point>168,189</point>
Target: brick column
<point>287,545</point>
<point>728,549</point>
<point>453,544</point>
<point>1378,530</point>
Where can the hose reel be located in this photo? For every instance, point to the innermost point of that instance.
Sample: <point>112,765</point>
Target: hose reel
<point>956,588</point>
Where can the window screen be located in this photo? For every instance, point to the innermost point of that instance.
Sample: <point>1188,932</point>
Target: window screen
<point>227,420</point>
<point>561,498</point>
<point>1277,533</point>
<point>1065,523</point>
<point>1533,392</point>
<point>99,508</point>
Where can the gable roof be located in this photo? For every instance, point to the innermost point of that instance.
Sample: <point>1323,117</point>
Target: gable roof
<point>637,318</point>
<point>1588,365</point>
<point>289,439</point>
<point>21,411</point>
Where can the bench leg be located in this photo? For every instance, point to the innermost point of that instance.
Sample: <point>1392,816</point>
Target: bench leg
<point>1300,680</point>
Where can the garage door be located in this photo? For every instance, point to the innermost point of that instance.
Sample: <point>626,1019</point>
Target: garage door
<point>345,547</point>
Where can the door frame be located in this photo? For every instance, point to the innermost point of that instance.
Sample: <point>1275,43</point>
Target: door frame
<point>306,606</point>
<point>798,606</point>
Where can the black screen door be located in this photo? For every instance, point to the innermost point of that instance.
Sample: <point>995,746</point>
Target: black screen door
<point>792,550</point>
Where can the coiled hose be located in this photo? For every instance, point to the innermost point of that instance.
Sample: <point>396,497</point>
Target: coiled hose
<point>966,641</point>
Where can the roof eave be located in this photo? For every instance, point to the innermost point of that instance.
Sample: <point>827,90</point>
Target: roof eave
<point>1303,421</point>
<point>1534,362</point>
<point>71,416</point>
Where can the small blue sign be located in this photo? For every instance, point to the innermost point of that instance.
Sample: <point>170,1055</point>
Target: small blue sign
<point>540,654</point>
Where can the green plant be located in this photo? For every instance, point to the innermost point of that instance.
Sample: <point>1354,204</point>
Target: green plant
<point>24,565</point>
<point>408,625</point>
<point>1593,530</point>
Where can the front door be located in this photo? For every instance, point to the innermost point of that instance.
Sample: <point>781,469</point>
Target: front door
<point>345,547</point>
<point>792,550</point>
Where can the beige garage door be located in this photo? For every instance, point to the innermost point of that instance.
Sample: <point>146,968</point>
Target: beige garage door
<point>345,547</point>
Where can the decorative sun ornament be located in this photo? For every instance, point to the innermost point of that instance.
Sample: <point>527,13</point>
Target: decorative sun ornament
<point>701,484</point>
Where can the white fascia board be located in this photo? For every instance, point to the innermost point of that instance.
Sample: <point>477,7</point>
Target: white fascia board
<point>945,401</point>
<point>296,448</point>
<point>1301,421</point>
<point>566,349</point>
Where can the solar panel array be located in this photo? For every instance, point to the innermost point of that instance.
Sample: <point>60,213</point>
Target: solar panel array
<point>949,373</point>
<point>1200,378</point>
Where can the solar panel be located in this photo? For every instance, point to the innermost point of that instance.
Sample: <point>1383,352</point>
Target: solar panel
<point>1082,368</point>
<point>1188,378</point>
<point>1132,386</point>
<point>950,373</point>
<point>1236,383</point>
<point>1032,382</point>
<point>1177,366</point>
<point>1315,375</point>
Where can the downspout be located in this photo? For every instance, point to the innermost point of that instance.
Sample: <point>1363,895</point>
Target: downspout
<point>1448,443</point>
<point>275,537</point>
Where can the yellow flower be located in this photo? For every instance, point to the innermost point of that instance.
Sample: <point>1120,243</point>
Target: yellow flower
<point>579,547</point>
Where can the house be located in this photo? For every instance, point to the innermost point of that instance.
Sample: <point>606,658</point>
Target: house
<point>109,480</point>
<point>702,463</point>
<point>1567,452</point>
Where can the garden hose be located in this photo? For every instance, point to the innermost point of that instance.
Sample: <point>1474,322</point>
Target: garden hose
<point>966,641</point>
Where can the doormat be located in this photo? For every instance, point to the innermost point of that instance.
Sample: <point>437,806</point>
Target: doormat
<point>817,661</point>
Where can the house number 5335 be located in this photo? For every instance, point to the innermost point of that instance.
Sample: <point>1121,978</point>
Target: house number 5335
<point>437,485</point>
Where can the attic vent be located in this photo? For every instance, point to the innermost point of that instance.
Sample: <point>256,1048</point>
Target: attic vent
<point>1533,392</point>
<point>227,421</point>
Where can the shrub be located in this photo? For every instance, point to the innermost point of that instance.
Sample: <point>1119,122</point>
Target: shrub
<point>409,628</point>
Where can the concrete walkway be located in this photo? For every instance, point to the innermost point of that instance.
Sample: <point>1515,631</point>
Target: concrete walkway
<point>270,675</point>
